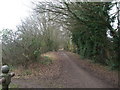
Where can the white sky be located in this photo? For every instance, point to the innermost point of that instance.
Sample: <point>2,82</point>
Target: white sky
<point>12,11</point>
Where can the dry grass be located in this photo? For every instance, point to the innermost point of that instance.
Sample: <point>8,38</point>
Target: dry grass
<point>40,70</point>
<point>51,55</point>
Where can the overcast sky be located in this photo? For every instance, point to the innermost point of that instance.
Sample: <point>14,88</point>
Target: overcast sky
<point>13,11</point>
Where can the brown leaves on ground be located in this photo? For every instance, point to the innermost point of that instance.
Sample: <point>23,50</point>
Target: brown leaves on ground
<point>40,70</point>
<point>51,71</point>
<point>98,70</point>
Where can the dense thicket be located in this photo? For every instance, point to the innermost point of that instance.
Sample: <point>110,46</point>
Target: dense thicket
<point>35,35</point>
<point>90,23</point>
<point>87,28</point>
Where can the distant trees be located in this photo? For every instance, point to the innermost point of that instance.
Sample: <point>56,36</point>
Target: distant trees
<point>82,27</point>
<point>89,24</point>
<point>36,35</point>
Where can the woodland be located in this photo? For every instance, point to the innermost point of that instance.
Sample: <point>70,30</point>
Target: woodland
<point>90,29</point>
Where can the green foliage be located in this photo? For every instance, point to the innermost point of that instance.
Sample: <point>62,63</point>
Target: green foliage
<point>89,23</point>
<point>90,37</point>
<point>14,86</point>
<point>86,23</point>
<point>27,72</point>
<point>113,63</point>
<point>27,44</point>
<point>46,60</point>
<point>36,54</point>
<point>11,86</point>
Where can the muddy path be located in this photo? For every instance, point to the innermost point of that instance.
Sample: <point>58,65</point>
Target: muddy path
<point>71,76</point>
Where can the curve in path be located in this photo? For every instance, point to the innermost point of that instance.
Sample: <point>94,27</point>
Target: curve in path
<point>71,76</point>
<point>76,77</point>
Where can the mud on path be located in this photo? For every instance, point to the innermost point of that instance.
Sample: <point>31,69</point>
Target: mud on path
<point>69,75</point>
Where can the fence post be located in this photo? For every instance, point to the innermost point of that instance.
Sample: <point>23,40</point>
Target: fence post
<point>6,77</point>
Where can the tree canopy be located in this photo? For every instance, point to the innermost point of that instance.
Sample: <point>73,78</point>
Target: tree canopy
<point>82,27</point>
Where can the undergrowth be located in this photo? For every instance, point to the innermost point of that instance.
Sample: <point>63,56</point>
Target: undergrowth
<point>46,60</point>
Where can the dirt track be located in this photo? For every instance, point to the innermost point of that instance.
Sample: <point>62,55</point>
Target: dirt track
<point>74,76</point>
<point>71,76</point>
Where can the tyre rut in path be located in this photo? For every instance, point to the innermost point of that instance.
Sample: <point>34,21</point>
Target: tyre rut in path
<point>76,77</point>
